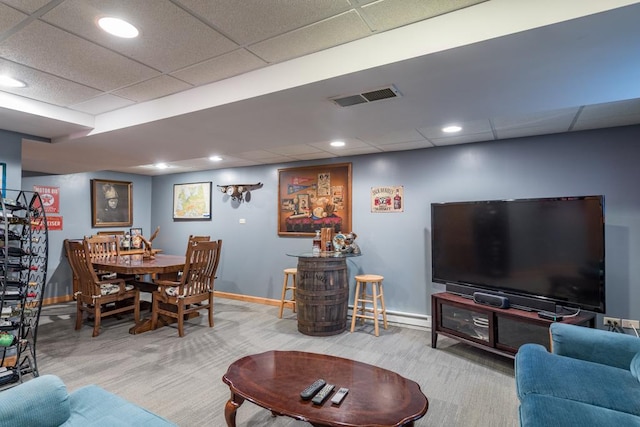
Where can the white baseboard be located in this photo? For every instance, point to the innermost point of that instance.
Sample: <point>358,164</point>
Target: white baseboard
<point>421,321</point>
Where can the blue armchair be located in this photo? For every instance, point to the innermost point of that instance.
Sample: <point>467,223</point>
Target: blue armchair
<point>591,377</point>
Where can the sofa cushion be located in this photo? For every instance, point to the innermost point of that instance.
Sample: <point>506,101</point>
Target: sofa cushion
<point>40,402</point>
<point>635,366</point>
<point>541,372</point>
<point>94,406</point>
<point>539,410</point>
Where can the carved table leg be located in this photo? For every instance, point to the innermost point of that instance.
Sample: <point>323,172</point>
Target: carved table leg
<point>230,409</point>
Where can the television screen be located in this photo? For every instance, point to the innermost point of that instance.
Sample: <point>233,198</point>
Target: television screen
<point>551,248</point>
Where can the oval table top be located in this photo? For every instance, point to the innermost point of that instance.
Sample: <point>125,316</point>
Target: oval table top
<point>377,396</point>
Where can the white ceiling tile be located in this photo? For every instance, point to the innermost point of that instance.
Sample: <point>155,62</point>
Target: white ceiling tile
<point>470,127</point>
<point>169,38</point>
<point>9,17</point>
<point>350,143</point>
<point>249,21</point>
<point>152,88</point>
<point>620,113</point>
<point>27,6</point>
<point>322,35</point>
<point>314,156</point>
<point>261,155</point>
<point>230,64</point>
<point>45,87</point>
<point>387,14</point>
<point>463,139</point>
<point>540,123</point>
<point>42,46</point>
<point>101,104</point>
<point>290,150</point>
<point>402,146</point>
<point>396,137</point>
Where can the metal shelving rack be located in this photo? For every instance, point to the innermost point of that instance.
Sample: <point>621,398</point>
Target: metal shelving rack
<point>24,249</point>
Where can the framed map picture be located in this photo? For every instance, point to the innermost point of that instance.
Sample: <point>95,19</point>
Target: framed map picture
<point>192,201</point>
<point>314,197</point>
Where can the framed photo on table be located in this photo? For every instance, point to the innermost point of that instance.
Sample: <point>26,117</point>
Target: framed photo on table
<point>111,203</point>
<point>314,197</point>
<point>192,201</point>
<point>136,240</point>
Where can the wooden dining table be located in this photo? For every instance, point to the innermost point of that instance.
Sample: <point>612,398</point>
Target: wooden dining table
<point>161,266</point>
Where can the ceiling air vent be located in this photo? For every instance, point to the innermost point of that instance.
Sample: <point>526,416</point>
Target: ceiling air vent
<point>371,96</point>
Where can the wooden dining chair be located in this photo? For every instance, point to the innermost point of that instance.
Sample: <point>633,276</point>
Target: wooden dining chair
<point>193,239</point>
<point>99,298</point>
<point>194,290</point>
<point>107,246</point>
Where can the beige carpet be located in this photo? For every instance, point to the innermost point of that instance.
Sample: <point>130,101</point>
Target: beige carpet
<point>180,378</point>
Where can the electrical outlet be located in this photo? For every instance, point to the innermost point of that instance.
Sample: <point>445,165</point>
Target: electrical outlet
<point>626,323</point>
<point>611,321</point>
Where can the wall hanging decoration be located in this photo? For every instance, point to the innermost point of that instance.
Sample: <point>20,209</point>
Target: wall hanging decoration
<point>3,178</point>
<point>387,199</point>
<point>314,197</point>
<point>192,201</point>
<point>111,203</point>
<point>237,191</point>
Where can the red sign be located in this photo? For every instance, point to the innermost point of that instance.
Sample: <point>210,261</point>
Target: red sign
<point>54,223</point>
<point>50,197</point>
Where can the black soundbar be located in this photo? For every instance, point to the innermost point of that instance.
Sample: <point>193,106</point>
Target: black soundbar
<point>515,301</point>
<point>497,301</point>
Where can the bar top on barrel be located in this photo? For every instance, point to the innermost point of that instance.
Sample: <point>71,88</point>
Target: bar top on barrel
<point>324,254</point>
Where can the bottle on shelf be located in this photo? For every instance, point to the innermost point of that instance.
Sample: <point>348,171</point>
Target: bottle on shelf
<point>317,243</point>
<point>13,251</point>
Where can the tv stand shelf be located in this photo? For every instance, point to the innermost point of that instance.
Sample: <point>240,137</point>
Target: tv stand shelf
<point>498,330</point>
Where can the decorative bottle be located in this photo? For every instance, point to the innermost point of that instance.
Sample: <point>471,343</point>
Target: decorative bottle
<point>317,243</point>
<point>397,201</point>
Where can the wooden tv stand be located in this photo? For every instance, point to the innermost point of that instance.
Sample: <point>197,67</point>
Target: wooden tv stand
<point>498,330</point>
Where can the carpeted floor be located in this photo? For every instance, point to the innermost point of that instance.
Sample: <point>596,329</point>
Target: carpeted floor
<point>180,378</point>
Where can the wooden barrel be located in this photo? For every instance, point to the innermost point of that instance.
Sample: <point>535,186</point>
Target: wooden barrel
<point>322,296</point>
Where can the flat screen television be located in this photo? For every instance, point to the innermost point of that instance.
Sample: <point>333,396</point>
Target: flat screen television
<point>539,253</point>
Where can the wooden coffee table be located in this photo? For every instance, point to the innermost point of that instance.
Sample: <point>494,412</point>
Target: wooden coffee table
<point>274,380</point>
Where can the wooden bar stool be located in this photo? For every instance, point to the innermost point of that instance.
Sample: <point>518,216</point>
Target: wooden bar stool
<point>285,287</point>
<point>375,298</point>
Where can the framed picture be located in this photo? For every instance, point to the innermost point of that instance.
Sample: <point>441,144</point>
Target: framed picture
<point>111,203</point>
<point>136,241</point>
<point>192,201</point>
<point>314,197</point>
<point>3,179</point>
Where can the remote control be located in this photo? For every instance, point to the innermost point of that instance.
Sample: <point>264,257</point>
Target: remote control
<point>340,394</point>
<point>322,394</point>
<point>310,391</point>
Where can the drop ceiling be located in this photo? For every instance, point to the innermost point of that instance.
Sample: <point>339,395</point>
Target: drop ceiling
<point>254,81</point>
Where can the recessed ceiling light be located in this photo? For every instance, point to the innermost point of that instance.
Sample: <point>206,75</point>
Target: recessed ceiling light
<point>118,27</point>
<point>215,158</point>
<point>161,165</point>
<point>337,144</point>
<point>451,129</point>
<point>7,81</point>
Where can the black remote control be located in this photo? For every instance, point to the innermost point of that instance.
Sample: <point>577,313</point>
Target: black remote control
<point>310,391</point>
<point>322,394</point>
<point>340,394</point>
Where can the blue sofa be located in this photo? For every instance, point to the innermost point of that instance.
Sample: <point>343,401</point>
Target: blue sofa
<point>590,378</point>
<point>43,401</point>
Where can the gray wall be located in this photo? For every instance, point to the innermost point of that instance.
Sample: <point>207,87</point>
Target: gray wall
<point>75,210</point>
<point>11,154</point>
<point>397,245</point>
